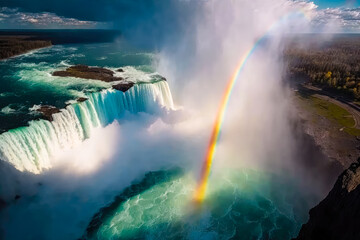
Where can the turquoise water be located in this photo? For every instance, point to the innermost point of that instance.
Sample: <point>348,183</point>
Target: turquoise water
<point>32,148</point>
<point>26,80</point>
<point>27,83</point>
<point>241,204</point>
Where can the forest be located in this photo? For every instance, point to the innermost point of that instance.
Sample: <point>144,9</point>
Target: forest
<point>333,64</point>
<point>15,45</point>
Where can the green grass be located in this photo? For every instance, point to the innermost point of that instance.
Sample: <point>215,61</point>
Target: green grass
<point>334,113</point>
<point>353,131</point>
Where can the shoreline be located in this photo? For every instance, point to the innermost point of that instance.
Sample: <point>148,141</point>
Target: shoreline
<point>26,52</point>
<point>15,42</point>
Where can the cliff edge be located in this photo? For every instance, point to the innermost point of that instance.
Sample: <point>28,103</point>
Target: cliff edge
<point>338,215</point>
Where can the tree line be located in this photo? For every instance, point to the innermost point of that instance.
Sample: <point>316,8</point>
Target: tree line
<point>11,46</point>
<point>335,65</point>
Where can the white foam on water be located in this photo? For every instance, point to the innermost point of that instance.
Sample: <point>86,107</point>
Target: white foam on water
<point>32,148</point>
<point>7,110</point>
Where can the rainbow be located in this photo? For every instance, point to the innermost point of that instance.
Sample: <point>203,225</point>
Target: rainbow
<point>210,153</point>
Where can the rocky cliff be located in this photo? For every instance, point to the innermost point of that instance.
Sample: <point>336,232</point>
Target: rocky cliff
<point>338,215</point>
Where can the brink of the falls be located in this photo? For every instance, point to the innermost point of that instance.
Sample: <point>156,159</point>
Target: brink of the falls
<point>31,148</point>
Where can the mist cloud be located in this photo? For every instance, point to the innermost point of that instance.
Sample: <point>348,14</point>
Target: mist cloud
<point>60,202</point>
<point>199,49</point>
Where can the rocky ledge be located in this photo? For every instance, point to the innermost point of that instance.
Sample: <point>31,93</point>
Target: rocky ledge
<point>338,215</point>
<point>47,111</point>
<point>81,99</point>
<point>123,86</point>
<point>83,71</point>
<point>96,73</point>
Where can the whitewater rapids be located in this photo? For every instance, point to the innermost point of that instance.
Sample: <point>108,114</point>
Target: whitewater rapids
<point>31,148</point>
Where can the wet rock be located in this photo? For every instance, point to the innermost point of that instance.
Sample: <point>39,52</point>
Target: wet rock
<point>120,70</point>
<point>123,86</point>
<point>81,99</point>
<point>17,197</point>
<point>47,111</point>
<point>83,71</point>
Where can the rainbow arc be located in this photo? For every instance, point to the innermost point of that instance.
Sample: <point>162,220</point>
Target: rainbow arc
<point>200,191</point>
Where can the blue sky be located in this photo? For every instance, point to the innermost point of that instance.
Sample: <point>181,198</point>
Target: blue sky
<point>21,14</point>
<point>336,3</point>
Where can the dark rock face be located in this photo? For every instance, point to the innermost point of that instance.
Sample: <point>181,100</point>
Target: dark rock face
<point>83,71</point>
<point>124,86</point>
<point>338,215</point>
<point>120,70</point>
<point>47,111</point>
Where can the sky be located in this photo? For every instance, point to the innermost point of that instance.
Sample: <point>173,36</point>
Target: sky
<point>108,14</point>
<point>337,3</point>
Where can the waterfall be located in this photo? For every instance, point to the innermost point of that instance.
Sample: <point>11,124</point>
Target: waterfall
<point>31,148</point>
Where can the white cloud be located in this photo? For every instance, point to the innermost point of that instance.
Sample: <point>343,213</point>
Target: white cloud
<point>8,10</point>
<point>328,20</point>
<point>11,17</point>
<point>322,20</point>
<point>343,19</point>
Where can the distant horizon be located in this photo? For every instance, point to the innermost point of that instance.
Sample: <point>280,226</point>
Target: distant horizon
<point>322,16</point>
<point>118,30</point>
<point>40,29</point>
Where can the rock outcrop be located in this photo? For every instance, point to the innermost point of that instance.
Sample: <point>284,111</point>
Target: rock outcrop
<point>83,71</point>
<point>96,73</point>
<point>338,215</point>
<point>123,86</point>
<point>47,111</point>
<point>81,99</point>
